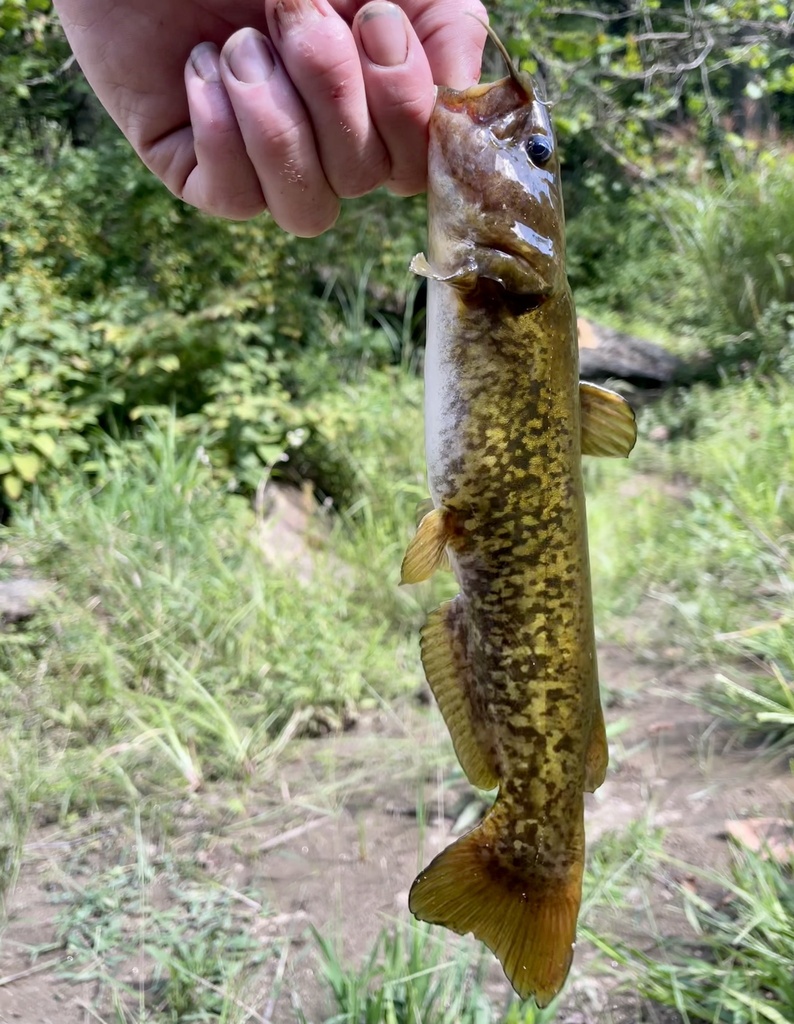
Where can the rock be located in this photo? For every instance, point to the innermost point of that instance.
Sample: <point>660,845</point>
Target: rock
<point>768,837</point>
<point>19,598</point>
<point>606,354</point>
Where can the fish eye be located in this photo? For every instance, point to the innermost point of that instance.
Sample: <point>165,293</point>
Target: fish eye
<point>539,149</point>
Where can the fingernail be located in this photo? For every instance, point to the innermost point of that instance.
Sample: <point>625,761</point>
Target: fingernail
<point>249,58</point>
<point>291,13</point>
<point>204,59</point>
<point>383,34</point>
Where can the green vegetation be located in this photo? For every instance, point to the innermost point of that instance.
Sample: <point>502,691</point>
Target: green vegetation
<point>171,650</point>
<point>759,715</point>
<point>160,371</point>
<point>738,965</point>
<point>413,974</point>
<point>409,976</point>
<point>200,955</point>
<point>713,550</point>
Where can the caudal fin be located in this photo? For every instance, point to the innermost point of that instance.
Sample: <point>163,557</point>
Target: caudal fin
<point>527,920</point>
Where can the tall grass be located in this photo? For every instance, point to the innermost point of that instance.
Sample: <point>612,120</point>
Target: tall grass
<point>739,243</point>
<point>171,648</point>
<point>704,524</point>
<point>705,538</point>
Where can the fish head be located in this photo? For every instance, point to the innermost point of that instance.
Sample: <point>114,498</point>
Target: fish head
<point>495,201</point>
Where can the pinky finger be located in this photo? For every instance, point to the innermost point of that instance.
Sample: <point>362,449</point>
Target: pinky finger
<point>222,180</point>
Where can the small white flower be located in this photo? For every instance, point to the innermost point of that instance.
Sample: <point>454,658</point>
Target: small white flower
<point>296,437</point>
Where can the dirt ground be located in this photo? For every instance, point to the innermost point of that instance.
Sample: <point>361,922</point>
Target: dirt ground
<point>334,838</point>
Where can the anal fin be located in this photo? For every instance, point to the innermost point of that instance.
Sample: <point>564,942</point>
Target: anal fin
<point>526,917</point>
<point>445,659</point>
<point>609,427</point>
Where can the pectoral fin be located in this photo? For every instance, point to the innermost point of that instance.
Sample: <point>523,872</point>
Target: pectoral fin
<point>423,508</point>
<point>427,549</point>
<point>446,663</point>
<point>609,427</point>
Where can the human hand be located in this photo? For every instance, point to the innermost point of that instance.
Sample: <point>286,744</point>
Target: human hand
<point>287,105</point>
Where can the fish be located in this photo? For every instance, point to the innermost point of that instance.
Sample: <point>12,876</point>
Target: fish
<point>511,660</point>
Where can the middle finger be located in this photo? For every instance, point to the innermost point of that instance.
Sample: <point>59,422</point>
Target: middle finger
<point>322,60</point>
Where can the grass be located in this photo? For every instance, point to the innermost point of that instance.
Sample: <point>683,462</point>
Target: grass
<point>157,945</point>
<point>737,966</point>
<point>737,244</point>
<point>707,518</point>
<point>172,652</point>
<point>416,974</point>
<point>706,549</point>
<point>619,861</point>
<point>760,715</point>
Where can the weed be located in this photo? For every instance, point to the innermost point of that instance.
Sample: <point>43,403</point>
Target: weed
<point>172,649</point>
<point>620,861</point>
<point>412,975</point>
<point>761,715</point>
<point>714,547</point>
<point>21,775</point>
<point>740,242</point>
<point>738,968</point>
<point>191,945</point>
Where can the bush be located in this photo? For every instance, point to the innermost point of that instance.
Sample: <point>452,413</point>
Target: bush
<point>118,302</point>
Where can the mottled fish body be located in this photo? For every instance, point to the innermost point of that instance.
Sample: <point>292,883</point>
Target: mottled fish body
<point>511,660</point>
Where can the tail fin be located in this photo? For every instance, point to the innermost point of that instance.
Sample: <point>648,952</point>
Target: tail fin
<point>528,922</point>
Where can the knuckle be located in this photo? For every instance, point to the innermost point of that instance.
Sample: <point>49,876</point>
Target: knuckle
<point>407,185</point>
<point>310,223</point>
<point>335,73</point>
<point>283,138</point>
<point>212,198</point>
<point>365,176</point>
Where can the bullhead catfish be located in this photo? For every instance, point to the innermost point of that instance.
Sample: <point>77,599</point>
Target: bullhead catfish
<point>511,660</point>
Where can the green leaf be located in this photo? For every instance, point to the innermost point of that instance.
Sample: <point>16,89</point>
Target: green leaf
<point>27,466</point>
<point>45,444</point>
<point>12,486</point>
<point>168,363</point>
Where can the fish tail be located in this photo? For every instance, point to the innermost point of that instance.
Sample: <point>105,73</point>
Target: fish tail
<point>527,918</point>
